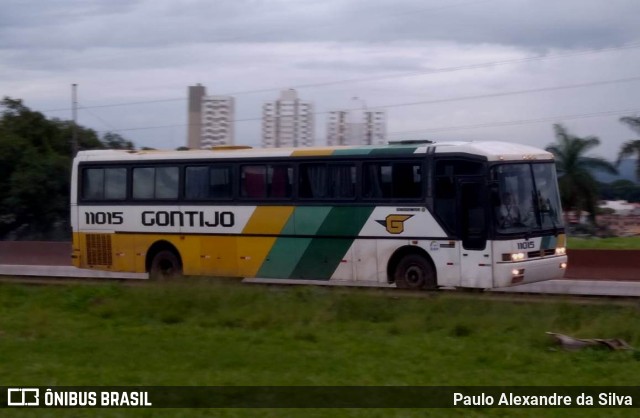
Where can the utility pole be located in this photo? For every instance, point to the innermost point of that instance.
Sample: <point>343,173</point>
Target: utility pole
<point>74,123</point>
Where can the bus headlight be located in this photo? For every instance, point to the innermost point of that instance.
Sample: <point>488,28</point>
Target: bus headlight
<point>561,251</point>
<point>513,256</point>
<point>517,256</point>
<point>517,275</point>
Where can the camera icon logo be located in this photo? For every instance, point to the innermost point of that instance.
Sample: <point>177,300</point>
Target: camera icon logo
<point>23,397</point>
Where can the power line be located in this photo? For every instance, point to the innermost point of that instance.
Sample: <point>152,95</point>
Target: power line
<point>520,122</point>
<point>539,57</point>
<point>105,123</point>
<point>435,101</point>
<point>492,124</point>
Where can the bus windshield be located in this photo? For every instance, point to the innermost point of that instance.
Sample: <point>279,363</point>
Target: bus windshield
<point>525,198</point>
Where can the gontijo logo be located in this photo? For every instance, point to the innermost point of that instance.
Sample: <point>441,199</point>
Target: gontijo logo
<point>394,223</point>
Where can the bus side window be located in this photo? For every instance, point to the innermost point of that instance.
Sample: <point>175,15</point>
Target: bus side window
<point>208,182</point>
<point>254,181</point>
<point>143,182</point>
<point>342,180</point>
<point>377,180</point>
<point>407,182</point>
<point>93,184</point>
<point>155,182</point>
<point>166,185</point>
<point>398,180</point>
<point>104,184</point>
<point>195,186</point>
<point>312,181</point>
<point>220,185</point>
<point>280,179</point>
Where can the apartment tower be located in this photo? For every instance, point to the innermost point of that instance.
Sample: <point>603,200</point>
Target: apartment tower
<point>356,127</point>
<point>210,119</point>
<point>287,122</point>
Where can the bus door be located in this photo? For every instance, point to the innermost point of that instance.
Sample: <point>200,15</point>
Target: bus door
<point>475,255</point>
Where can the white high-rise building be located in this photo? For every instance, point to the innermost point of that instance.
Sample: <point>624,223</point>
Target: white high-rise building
<point>211,119</point>
<point>356,127</point>
<point>218,113</point>
<point>287,122</point>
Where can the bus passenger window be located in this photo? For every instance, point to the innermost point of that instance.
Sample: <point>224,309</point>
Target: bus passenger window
<point>254,181</point>
<point>195,184</point>
<point>155,183</point>
<point>376,180</point>
<point>115,183</point>
<point>166,183</point>
<point>342,181</point>
<point>220,186</point>
<point>104,184</point>
<point>207,182</point>
<point>402,180</point>
<point>143,182</point>
<point>313,181</point>
<point>280,179</point>
<point>407,182</point>
<point>93,184</point>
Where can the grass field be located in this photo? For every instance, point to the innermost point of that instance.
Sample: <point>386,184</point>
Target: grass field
<point>616,243</point>
<point>220,332</point>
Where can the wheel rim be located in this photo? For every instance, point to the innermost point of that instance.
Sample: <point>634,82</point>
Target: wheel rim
<point>414,275</point>
<point>166,267</point>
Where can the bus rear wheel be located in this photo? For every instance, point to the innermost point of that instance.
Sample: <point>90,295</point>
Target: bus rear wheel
<point>415,272</point>
<point>165,265</point>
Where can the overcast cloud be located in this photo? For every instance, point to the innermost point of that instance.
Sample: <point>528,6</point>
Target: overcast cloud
<point>124,51</point>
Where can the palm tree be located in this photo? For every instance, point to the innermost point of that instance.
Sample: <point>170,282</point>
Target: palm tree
<point>631,147</point>
<point>578,188</point>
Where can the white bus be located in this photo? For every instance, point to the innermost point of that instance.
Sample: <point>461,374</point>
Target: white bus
<point>417,214</point>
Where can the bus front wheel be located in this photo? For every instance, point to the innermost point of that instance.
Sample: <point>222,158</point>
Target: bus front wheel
<point>165,265</point>
<point>415,272</point>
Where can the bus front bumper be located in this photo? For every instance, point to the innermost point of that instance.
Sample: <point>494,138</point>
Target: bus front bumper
<point>529,271</point>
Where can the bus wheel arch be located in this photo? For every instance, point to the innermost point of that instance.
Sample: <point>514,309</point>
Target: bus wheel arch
<point>412,268</point>
<point>163,260</point>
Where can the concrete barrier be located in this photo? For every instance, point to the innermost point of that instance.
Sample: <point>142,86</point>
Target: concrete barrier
<point>603,265</point>
<point>35,253</point>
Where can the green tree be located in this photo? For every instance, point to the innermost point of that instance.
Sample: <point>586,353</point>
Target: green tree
<point>578,188</point>
<point>631,147</point>
<point>35,167</point>
<point>115,141</point>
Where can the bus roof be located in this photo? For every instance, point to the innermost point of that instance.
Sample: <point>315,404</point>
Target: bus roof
<point>491,150</point>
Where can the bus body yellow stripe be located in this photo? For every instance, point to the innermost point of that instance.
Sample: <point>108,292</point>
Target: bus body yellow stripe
<point>311,152</point>
<point>252,251</point>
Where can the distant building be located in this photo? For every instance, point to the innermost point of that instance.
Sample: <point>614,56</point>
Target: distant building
<point>210,119</point>
<point>356,127</point>
<point>218,113</point>
<point>287,122</point>
<point>194,120</point>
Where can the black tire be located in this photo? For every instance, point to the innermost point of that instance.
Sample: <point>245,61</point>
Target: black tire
<point>165,265</point>
<point>415,272</point>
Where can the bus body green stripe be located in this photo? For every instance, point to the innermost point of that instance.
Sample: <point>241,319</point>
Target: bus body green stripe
<point>287,252</point>
<point>325,252</point>
<point>352,151</point>
<point>283,257</point>
<point>308,219</point>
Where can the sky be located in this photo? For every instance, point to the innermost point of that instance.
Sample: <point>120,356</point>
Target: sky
<point>442,69</point>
